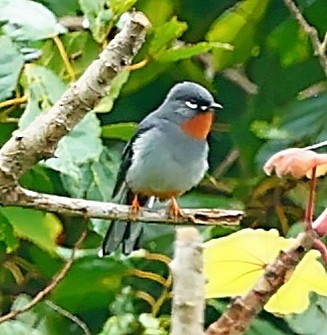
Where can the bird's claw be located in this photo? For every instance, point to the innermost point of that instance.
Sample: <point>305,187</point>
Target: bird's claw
<point>174,210</point>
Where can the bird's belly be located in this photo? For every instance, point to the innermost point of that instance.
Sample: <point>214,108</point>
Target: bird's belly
<point>163,173</point>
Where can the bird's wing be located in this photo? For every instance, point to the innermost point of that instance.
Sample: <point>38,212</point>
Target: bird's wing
<point>127,157</point>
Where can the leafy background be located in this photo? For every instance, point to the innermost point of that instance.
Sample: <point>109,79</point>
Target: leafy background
<point>257,62</point>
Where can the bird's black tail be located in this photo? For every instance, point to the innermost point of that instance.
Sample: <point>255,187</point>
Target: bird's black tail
<point>123,235</point>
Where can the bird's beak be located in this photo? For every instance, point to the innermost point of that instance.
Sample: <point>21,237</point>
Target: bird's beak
<point>216,105</point>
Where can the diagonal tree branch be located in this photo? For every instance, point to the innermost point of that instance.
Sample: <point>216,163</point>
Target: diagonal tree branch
<point>40,138</point>
<point>243,310</point>
<point>318,46</point>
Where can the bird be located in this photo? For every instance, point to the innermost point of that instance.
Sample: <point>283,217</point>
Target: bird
<point>167,156</point>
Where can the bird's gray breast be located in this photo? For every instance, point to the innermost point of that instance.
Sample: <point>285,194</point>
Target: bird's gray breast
<point>165,160</point>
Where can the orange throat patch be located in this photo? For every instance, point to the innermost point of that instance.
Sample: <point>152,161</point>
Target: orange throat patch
<point>199,126</point>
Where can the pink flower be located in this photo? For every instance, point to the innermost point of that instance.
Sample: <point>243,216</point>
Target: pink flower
<point>297,162</point>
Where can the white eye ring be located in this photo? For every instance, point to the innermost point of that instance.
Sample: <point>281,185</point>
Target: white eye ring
<point>204,108</point>
<point>191,105</point>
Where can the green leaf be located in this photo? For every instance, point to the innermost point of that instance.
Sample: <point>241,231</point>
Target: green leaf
<point>119,7</point>
<point>39,227</point>
<point>41,319</point>
<point>22,24</point>
<point>184,52</point>
<point>18,328</point>
<point>93,280</point>
<point>304,119</point>
<point>82,145</point>
<point>98,16</point>
<point>37,179</point>
<point>44,88</point>
<point>7,234</point>
<point>11,63</point>
<point>291,43</point>
<point>120,324</point>
<point>264,130</point>
<point>106,103</point>
<point>152,8</point>
<point>61,8</point>
<point>237,26</point>
<point>165,34</point>
<point>120,131</point>
<point>313,321</point>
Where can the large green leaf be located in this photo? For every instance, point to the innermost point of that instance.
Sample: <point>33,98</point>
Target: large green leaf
<point>82,145</point>
<point>91,283</point>
<point>165,34</point>
<point>38,227</point>
<point>237,26</point>
<point>28,20</point>
<point>44,88</point>
<point>11,63</point>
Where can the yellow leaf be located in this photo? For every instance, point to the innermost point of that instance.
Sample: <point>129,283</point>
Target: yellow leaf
<point>293,297</point>
<point>233,264</point>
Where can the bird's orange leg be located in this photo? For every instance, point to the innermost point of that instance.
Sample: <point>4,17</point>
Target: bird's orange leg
<point>174,209</point>
<point>135,206</point>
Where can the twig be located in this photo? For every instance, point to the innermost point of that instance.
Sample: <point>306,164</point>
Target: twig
<point>110,211</point>
<point>69,316</point>
<point>318,46</point>
<point>64,57</point>
<point>188,283</point>
<point>232,156</point>
<point>56,279</point>
<point>243,310</point>
<point>40,138</point>
<point>238,76</point>
<point>13,102</point>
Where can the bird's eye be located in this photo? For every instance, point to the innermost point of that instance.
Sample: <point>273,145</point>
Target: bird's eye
<point>191,104</point>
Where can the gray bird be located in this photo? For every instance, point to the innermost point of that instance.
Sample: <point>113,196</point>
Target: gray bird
<point>166,157</point>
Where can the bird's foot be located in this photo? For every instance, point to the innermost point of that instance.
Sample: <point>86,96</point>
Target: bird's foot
<point>174,210</point>
<point>135,207</point>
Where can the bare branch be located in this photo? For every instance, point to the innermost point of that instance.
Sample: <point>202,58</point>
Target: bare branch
<point>243,310</point>
<point>69,316</point>
<point>40,138</point>
<point>57,278</point>
<point>111,211</point>
<point>318,46</point>
<point>188,287</point>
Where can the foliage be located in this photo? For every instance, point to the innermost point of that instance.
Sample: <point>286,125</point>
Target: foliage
<point>244,256</point>
<point>257,62</point>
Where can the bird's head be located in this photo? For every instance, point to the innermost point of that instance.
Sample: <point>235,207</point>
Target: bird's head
<point>192,107</point>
